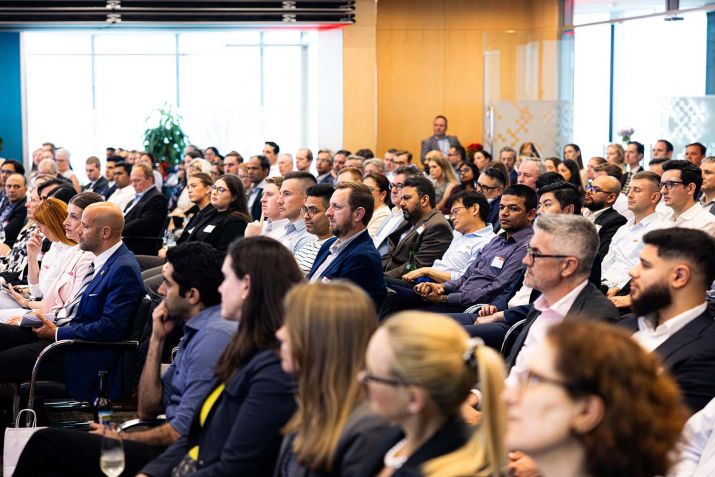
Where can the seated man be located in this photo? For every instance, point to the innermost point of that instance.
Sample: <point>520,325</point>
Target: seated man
<point>14,215</point>
<point>291,201</point>
<point>316,223</point>
<point>495,267</point>
<point>471,233</point>
<point>670,315</point>
<point>350,255</point>
<point>192,276</point>
<point>101,311</point>
<point>146,214</point>
<point>601,194</point>
<point>425,232</point>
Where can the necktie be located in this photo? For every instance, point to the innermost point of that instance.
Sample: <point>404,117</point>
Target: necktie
<point>66,314</point>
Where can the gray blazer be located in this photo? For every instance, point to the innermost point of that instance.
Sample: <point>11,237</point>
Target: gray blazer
<point>430,144</point>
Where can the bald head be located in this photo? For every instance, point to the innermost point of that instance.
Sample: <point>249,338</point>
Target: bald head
<point>603,193</point>
<point>101,227</point>
<point>608,183</point>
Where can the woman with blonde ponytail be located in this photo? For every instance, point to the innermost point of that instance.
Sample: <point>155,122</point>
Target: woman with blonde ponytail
<point>419,370</point>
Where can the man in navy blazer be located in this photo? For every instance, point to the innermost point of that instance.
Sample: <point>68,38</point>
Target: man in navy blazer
<point>101,311</point>
<point>671,318</point>
<point>351,255</point>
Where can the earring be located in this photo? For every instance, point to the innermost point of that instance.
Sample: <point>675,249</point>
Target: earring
<point>243,296</point>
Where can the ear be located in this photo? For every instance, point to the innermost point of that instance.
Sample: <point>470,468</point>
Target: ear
<point>570,209</point>
<point>570,267</point>
<point>589,413</point>
<point>417,399</point>
<point>358,214</point>
<point>245,287</point>
<point>531,215</point>
<point>680,276</point>
<point>193,296</point>
<point>424,201</point>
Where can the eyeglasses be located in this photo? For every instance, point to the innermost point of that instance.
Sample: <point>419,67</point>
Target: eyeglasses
<point>397,185</point>
<point>533,254</point>
<point>530,378</point>
<point>220,190</point>
<point>454,211</point>
<point>594,189</point>
<point>668,184</point>
<point>486,187</point>
<point>365,377</point>
<point>309,211</point>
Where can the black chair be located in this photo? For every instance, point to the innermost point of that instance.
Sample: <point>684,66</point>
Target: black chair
<point>510,338</point>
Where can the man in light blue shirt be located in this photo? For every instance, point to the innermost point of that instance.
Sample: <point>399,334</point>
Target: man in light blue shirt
<point>290,203</point>
<point>471,233</point>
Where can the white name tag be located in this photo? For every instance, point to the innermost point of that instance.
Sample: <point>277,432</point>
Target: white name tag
<point>420,230</point>
<point>498,262</point>
<point>209,228</point>
<point>191,230</point>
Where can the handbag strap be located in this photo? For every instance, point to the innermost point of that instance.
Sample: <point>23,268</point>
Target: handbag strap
<point>31,423</point>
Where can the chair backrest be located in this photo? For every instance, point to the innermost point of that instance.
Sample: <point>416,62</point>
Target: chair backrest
<point>510,338</point>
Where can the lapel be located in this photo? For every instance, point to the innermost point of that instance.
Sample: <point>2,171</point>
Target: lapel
<point>137,207</point>
<point>412,234</point>
<point>519,342</point>
<point>683,337</point>
<point>99,276</point>
<point>347,252</point>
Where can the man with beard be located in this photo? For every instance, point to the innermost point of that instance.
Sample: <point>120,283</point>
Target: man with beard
<point>351,255</point>
<point>425,234</point>
<point>316,223</point>
<point>396,217</point>
<point>668,285</point>
<point>601,194</point>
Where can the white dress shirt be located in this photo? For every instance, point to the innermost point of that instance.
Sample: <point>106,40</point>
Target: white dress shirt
<point>625,250</point>
<point>462,251</point>
<point>550,315</point>
<point>378,218</point>
<point>696,217</point>
<point>274,229</point>
<point>650,338</point>
<point>50,269</point>
<point>122,197</point>
<point>697,451</point>
<point>388,226</point>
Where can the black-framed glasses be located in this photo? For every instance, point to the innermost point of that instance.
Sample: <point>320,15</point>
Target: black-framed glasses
<point>668,184</point>
<point>533,254</point>
<point>486,187</point>
<point>397,185</point>
<point>366,377</point>
<point>594,189</point>
<point>309,211</point>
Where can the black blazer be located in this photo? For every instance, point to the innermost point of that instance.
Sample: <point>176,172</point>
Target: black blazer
<point>689,355</point>
<point>363,432</point>
<point>144,222</point>
<point>450,437</point>
<point>218,229</point>
<point>15,221</point>
<point>590,304</point>
<point>256,209</point>
<point>493,217</point>
<point>609,221</point>
<point>101,187</point>
<point>242,433</point>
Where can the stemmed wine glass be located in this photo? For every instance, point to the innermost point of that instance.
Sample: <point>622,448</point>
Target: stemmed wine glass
<point>111,460</point>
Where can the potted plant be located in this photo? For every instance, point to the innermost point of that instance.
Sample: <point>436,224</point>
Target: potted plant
<point>167,140</point>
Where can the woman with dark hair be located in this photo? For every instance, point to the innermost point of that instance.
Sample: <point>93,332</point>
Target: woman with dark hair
<point>573,152</point>
<point>237,429</point>
<point>552,164</point>
<point>380,187</point>
<point>593,402</point>
<point>468,175</point>
<point>570,172</point>
<point>333,430</point>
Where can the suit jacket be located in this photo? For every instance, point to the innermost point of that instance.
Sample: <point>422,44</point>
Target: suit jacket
<point>359,439</point>
<point>590,304</point>
<point>15,221</point>
<point>689,355</point>
<point>430,144</point>
<point>146,220</point>
<point>242,433</point>
<point>358,262</point>
<point>101,187</point>
<point>256,209</point>
<point>609,221</point>
<point>493,217</point>
<point>105,313</point>
<point>429,238</point>
<point>451,436</point>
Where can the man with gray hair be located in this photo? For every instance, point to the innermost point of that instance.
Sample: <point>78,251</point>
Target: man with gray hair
<point>564,246</point>
<point>507,156</point>
<point>530,170</point>
<point>707,197</point>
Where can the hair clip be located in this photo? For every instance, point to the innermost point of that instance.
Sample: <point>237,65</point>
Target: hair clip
<point>469,357</point>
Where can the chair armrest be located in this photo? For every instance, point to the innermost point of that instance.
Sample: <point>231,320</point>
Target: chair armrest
<point>474,308</point>
<point>129,425</point>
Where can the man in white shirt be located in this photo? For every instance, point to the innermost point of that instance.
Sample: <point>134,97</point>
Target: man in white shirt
<point>697,450</point>
<point>634,156</point>
<point>680,185</point>
<point>396,217</point>
<point>124,192</point>
<point>707,198</point>
<point>290,203</point>
<point>668,286</point>
<point>271,225</point>
<point>643,197</point>
<point>471,233</point>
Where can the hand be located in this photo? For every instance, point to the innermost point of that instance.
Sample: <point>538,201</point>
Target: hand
<point>498,316</point>
<point>47,330</point>
<point>414,275</point>
<point>15,320</point>
<point>622,301</point>
<point>253,229</point>
<point>101,430</point>
<point>17,296</point>
<point>431,292</point>
<point>470,415</point>
<point>34,245</point>
<point>612,292</point>
<point>162,252</point>
<point>487,310</point>
<point>162,324</point>
<point>521,465</point>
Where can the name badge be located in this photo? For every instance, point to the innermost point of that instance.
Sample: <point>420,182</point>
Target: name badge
<point>420,230</point>
<point>498,262</point>
<point>191,230</point>
<point>209,228</point>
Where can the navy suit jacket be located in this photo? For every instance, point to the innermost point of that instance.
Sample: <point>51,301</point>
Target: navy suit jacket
<point>104,314</point>
<point>689,355</point>
<point>101,187</point>
<point>359,262</point>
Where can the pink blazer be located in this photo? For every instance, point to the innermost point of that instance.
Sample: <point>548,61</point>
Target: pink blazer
<point>74,266</point>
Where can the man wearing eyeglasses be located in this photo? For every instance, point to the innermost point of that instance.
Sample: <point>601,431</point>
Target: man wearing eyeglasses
<point>601,194</point>
<point>316,223</point>
<point>491,183</point>
<point>396,218</point>
<point>145,215</point>
<point>680,186</point>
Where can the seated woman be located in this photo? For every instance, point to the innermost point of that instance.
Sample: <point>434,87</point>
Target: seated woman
<point>593,402</point>
<point>73,265</point>
<point>445,179</point>
<point>333,430</point>
<point>419,370</point>
<point>237,429</point>
<point>380,187</point>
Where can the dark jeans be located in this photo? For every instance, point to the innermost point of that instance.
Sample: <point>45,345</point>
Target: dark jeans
<point>405,298</point>
<point>19,348</point>
<point>63,452</point>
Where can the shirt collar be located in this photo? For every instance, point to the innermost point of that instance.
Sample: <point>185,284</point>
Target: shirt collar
<point>299,226</point>
<point>202,317</point>
<point>705,202</point>
<point>517,236</point>
<point>340,244</point>
<point>102,258</point>
<point>481,232</point>
<point>690,213</point>
<point>564,304</point>
<point>273,225</point>
<point>674,324</point>
<point>643,223</point>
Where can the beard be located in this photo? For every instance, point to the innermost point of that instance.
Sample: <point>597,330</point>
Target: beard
<point>652,299</point>
<point>593,205</point>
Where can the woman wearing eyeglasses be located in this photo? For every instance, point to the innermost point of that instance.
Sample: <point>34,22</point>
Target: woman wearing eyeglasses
<point>594,403</point>
<point>334,429</point>
<point>420,368</point>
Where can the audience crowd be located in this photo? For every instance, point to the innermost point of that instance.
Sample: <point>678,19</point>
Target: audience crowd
<point>343,314</point>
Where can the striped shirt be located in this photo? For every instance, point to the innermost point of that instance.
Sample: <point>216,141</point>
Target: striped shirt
<point>307,253</point>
